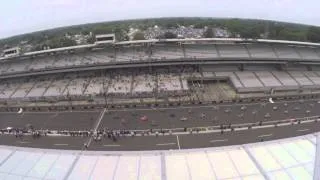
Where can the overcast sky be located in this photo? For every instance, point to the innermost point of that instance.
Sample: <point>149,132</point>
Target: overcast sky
<point>21,16</point>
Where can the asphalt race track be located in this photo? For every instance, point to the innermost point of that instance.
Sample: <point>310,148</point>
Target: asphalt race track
<point>50,120</point>
<point>166,142</point>
<point>193,116</point>
<point>202,116</point>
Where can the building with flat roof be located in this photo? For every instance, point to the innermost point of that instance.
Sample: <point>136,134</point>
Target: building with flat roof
<point>12,52</point>
<point>105,38</point>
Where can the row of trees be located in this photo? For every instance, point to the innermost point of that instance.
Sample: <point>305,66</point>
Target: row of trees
<point>246,28</point>
<point>243,27</point>
<point>55,42</point>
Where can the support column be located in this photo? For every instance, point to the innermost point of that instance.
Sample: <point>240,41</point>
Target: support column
<point>163,167</point>
<point>72,167</point>
<point>262,172</point>
<point>316,170</point>
<point>5,159</point>
<point>115,169</point>
<point>183,51</point>
<point>188,167</point>
<point>139,166</point>
<point>247,50</point>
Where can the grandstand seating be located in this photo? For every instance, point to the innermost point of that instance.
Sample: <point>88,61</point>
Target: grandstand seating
<point>232,51</point>
<point>200,51</point>
<point>308,53</point>
<point>235,81</point>
<point>172,80</point>
<point>300,78</point>
<point>220,68</point>
<point>261,51</point>
<point>97,86</point>
<point>133,84</point>
<point>313,76</point>
<point>285,78</point>
<point>4,68</point>
<point>23,90</point>
<point>267,79</point>
<point>8,88</point>
<point>76,86</point>
<point>159,52</point>
<point>120,85</point>
<point>57,88</point>
<point>286,52</point>
<point>248,79</point>
<point>166,52</point>
<point>112,84</point>
<point>18,66</point>
<point>39,89</point>
<point>259,67</point>
<point>131,54</point>
<point>44,62</point>
<point>169,82</point>
<point>100,57</point>
<point>143,84</point>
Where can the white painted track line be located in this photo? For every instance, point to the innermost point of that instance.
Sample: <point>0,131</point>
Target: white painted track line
<point>111,145</point>
<point>100,118</point>
<point>302,130</point>
<point>178,142</point>
<point>24,142</point>
<point>265,135</point>
<point>97,125</point>
<point>218,140</point>
<point>165,144</point>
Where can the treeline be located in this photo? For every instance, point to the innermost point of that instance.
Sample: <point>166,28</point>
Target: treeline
<point>245,28</point>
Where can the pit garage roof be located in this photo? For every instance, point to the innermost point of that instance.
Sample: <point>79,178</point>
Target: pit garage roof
<point>292,158</point>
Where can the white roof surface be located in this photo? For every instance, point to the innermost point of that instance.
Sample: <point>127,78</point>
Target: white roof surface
<point>292,158</point>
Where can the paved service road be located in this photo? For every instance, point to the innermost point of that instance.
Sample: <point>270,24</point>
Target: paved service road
<point>165,142</point>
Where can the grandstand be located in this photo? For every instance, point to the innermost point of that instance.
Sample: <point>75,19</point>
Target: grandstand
<point>200,51</point>
<point>274,53</point>
<point>165,73</point>
<point>133,84</point>
<point>168,94</point>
